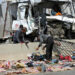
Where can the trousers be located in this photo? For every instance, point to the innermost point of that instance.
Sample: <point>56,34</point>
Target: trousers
<point>49,47</point>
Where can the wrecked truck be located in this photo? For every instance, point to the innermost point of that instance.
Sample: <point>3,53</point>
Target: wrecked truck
<point>59,26</point>
<point>28,13</point>
<point>15,14</point>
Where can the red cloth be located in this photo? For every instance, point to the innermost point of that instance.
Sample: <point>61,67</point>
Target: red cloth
<point>61,57</point>
<point>65,58</point>
<point>68,58</point>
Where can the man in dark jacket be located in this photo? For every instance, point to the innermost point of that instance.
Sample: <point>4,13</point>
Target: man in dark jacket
<point>48,40</point>
<point>18,36</point>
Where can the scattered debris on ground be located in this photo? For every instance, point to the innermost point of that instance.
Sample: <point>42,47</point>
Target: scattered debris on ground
<point>32,66</point>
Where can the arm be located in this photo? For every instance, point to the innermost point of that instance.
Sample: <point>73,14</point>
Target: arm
<point>43,47</point>
<point>40,44</point>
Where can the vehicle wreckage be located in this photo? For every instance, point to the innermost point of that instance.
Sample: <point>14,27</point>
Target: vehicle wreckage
<point>28,13</point>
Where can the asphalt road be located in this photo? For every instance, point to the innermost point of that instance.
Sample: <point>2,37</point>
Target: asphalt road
<point>49,73</point>
<point>56,73</point>
<point>60,73</point>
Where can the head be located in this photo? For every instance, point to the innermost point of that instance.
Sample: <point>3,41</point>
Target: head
<point>21,27</point>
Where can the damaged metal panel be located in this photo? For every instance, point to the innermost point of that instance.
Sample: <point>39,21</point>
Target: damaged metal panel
<point>33,2</point>
<point>24,17</point>
<point>13,11</point>
<point>2,21</point>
